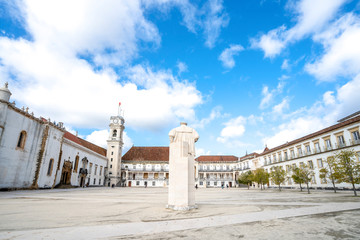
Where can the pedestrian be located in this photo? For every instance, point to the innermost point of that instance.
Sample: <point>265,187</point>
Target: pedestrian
<point>196,186</point>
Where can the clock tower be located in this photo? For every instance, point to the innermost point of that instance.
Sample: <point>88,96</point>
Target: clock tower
<point>114,149</point>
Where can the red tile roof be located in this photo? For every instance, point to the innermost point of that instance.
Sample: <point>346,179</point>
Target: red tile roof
<point>249,156</point>
<point>147,154</point>
<point>312,135</point>
<point>84,143</point>
<point>217,158</point>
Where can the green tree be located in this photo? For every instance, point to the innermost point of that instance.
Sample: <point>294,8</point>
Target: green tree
<point>303,174</point>
<point>261,177</point>
<point>348,168</point>
<point>246,178</point>
<point>296,176</point>
<point>330,171</point>
<point>277,175</point>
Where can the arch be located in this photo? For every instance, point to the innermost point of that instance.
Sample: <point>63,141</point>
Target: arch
<point>76,163</point>
<point>114,133</point>
<point>22,139</point>
<point>50,168</point>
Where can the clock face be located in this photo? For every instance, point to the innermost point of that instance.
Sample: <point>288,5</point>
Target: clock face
<point>116,120</point>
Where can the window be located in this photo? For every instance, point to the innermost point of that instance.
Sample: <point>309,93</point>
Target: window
<point>308,150</point>
<point>292,154</point>
<point>280,157</point>
<point>320,163</point>
<point>100,170</point>
<point>94,180</point>
<point>311,165</point>
<point>153,183</point>
<point>341,140</point>
<point>201,183</point>
<point>356,135</point>
<point>99,181</point>
<point>96,169</point>
<point>22,139</point>
<point>111,159</point>
<point>215,183</point>
<point>317,147</point>
<point>286,156</point>
<point>137,183</point>
<point>328,144</point>
<point>313,180</point>
<point>274,157</point>
<point>299,151</point>
<point>114,133</point>
<point>112,153</point>
<point>302,164</point>
<point>294,166</point>
<point>51,163</point>
<point>76,163</point>
<point>110,166</point>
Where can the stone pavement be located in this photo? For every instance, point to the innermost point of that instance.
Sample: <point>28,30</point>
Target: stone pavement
<point>122,213</point>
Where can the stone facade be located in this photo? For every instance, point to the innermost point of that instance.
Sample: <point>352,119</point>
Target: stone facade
<point>37,153</point>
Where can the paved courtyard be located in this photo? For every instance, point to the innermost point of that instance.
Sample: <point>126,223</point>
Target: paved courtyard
<point>139,213</point>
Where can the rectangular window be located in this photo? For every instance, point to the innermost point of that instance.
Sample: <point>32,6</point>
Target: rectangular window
<point>153,183</point>
<point>302,164</point>
<point>294,165</point>
<point>341,140</point>
<point>215,183</point>
<point>328,144</point>
<point>51,163</point>
<point>137,183</point>
<point>299,151</point>
<point>280,157</point>
<point>94,180</point>
<point>100,170</point>
<point>286,156</point>
<point>313,180</point>
<point>311,165</point>
<point>111,159</point>
<point>317,147</point>
<point>320,163</point>
<point>356,135</point>
<point>99,181</point>
<point>90,168</point>
<point>112,153</point>
<point>201,183</point>
<point>292,154</point>
<point>96,169</point>
<point>110,166</point>
<point>308,150</point>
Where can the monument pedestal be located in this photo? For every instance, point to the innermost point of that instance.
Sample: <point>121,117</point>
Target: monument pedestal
<point>181,194</point>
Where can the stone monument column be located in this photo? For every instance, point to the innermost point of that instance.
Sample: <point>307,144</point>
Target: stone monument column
<point>181,168</point>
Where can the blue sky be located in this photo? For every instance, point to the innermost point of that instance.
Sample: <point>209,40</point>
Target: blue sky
<point>244,74</point>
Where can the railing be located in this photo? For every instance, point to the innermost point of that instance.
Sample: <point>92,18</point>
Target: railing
<point>215,170</point>
<point>144,169</point>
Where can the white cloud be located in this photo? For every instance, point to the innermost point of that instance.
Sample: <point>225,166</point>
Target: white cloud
<point>310,16</point>
<point>285,65</point>
<point>99,137</point>
<point>268,96</point>
<point>182,67</point>
<point>342,50</point>
<point>215,19</point>
<point>328,98</point>
<point>227,56</point>
<point>201,152</point>
<point>279,108</point>
<point>215,113</point>
<point>332,107</point>
<point>234,128</point>
<point>210,18</point>
<point>89,29</point>
<point>48,75</point>
<point>271,43</point>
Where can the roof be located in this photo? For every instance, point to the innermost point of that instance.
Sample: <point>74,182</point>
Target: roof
<point>147,154</point>
<point>86,144</point>
<point>312,135</point>
<point>217,158</point>
<point>249,156</point>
